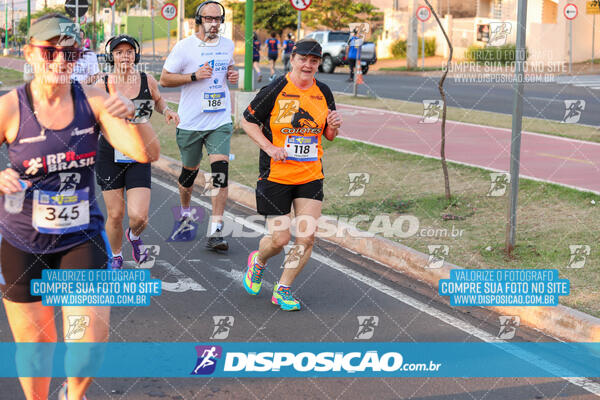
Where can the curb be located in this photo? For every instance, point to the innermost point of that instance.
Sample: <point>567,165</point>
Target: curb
<point>559,321</point>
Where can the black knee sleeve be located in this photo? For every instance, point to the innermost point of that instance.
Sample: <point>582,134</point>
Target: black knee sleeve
<point>187,177</point>
<point>220,172</point>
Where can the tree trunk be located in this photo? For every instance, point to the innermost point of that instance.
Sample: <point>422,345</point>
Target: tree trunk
<point>441,89</point>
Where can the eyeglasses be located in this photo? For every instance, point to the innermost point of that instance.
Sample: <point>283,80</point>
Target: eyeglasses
<point>209,19</point>
<point>49,53</point>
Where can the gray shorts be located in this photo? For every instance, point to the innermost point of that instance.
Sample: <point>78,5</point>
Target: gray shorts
<point>190,143</point>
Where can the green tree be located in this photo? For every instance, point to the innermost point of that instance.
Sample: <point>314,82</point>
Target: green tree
<point>337,14</point>
<point>271,15</point>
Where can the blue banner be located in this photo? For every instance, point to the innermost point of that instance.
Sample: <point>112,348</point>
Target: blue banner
<point>354,359</point>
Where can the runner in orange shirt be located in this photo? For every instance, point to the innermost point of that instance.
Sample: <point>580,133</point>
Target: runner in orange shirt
<point>287,120</point>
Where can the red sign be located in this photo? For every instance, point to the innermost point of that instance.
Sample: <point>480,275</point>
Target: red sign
<point>423,13</point>
<point>169,11</point>
<point>112,2</point>
<point>301,5</point>
<point>570,11</point>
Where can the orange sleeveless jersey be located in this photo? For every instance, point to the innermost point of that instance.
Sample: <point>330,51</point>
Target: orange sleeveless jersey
<point>294,119</point>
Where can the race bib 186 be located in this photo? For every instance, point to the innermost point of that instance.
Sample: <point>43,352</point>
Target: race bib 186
<point>302,148</point>
<point>214,101</point>
<point>58,213</point>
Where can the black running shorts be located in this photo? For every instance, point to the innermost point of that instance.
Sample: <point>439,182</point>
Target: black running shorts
<point>274,198</point>
<point>19,267</point>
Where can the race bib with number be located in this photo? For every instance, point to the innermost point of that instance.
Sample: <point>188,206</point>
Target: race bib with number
<point>302,148</point>
<point>122,158</point>
<point>214,101</point>
<point>57,213</point>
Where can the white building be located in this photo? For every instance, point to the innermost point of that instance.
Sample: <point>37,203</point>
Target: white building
<point>547,29</point>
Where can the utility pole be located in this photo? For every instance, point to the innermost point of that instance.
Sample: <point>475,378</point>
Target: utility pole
<point>180,17</point>
<point>412,44</point>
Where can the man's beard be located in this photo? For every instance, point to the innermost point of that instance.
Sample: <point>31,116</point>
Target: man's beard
<point>211,35</point>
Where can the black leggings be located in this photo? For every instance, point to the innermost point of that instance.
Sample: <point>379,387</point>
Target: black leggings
<point>20,267</point>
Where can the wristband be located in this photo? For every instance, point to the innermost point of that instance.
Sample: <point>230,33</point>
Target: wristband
<point>194,77</point>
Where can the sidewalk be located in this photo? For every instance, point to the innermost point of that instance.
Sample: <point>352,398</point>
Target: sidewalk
<point>12,63</point>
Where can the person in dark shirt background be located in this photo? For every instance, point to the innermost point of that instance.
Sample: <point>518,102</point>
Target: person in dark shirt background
<point>256,55</point>
<point>273,50</point>
<point>288,45</point>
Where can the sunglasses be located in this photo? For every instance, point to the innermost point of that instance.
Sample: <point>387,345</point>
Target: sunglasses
<point>49,53</point>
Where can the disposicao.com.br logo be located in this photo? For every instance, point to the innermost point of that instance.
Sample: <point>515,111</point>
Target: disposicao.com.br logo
<point>290,364</point>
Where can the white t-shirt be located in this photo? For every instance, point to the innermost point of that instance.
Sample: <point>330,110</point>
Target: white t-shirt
<point>205,104</point>
<point>86,66</point>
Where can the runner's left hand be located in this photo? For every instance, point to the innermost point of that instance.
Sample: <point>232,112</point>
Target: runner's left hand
<point>334,119</point>
<point>171,115</point>
<point>233,76</point>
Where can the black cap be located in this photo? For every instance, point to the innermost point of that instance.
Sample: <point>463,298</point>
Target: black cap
<point>122,39</point>
<point>308,48</point>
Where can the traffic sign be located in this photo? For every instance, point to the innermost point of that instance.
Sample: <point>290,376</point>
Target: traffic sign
<point>70,7</point>
<point>301,5</point>
<point>423,13</point>
<point>592,7</point>
<point>570,11</point>
<point>112,2</point>
<point>169,11</point>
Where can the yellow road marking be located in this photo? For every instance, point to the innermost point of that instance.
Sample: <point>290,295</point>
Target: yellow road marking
<point>566,158</point>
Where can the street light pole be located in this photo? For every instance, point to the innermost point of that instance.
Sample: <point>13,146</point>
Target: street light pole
<point>517,122</point>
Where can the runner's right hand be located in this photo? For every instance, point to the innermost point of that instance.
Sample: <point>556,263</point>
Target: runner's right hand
<point>9,181</point>
<point>204,72</point>
<point>276,153</point>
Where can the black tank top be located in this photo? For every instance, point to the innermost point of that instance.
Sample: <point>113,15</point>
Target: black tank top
<point>105,149</point>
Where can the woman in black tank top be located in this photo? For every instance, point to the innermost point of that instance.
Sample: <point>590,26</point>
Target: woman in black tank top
<point>116,173</point>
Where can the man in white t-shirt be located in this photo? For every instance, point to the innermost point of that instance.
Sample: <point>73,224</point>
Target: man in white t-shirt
<point>202,64</point>
<point>86,71</point>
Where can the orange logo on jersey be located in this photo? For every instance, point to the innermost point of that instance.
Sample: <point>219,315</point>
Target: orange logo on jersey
<point>287,110</point>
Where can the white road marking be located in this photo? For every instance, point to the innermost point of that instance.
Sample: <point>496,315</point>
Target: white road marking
<point>183,284</point>
<point>237,277</point>
<point>480,334</point>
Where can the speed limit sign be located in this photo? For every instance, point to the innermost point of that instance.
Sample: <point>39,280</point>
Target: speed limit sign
<point>423,13</point>
<point>169,11</point>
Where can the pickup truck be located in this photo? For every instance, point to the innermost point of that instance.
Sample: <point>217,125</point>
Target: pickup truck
<point>334,45</point>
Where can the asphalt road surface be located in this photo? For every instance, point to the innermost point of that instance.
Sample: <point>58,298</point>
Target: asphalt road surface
<point>335,288</point>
